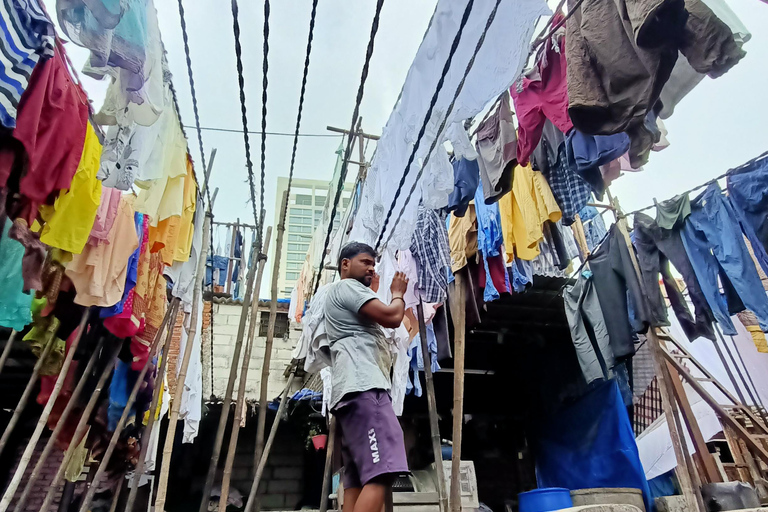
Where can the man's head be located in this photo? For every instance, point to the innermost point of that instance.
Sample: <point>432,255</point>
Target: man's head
<point>357,261</point>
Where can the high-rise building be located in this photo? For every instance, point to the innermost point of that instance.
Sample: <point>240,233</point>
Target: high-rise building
<point>305,212</point>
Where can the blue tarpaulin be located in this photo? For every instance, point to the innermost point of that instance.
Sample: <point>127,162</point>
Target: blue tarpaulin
<point>590,444</point>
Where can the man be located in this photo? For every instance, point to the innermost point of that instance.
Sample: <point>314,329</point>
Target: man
<point>373,450</point>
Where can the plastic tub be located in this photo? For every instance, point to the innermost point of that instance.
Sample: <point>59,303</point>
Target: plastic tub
<point>545,500</point>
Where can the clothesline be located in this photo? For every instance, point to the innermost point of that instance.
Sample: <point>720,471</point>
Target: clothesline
<point>698,187</point>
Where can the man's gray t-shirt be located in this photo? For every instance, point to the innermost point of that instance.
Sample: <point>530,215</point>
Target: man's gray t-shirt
<point>359,352</point>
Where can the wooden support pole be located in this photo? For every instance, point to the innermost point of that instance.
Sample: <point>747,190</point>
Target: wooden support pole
<point>459,324</point>
<point>26,457</point>
<point>725,418</point>
<point>704,458</point>
<point>328,469</point>
<point>227,399</point>
<point>51,336</point>
<point>80,429</point>
<point>147,430</point>
<point>434,426</point>
<point>173,417</point>
<point>7,349</point>
<point>755,398</point>
<point>116,494</point>
<point>169,321</point>
<point>249,506</point>
<point>230,460</point>
<point>59,427</point>
<point>264,384</point>
<point>346,132</point>
<point>684,471</point>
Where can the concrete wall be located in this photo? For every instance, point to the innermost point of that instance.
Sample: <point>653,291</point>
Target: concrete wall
<point>226,319</point>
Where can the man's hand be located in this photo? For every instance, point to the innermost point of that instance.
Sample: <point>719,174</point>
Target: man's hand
<point>399,285</point>
<point>375,282</point>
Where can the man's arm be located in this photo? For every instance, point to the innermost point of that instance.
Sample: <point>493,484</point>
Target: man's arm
<point>390,316</point>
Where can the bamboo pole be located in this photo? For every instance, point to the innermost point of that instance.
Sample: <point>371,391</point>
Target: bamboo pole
<point>26,457</point>
<point>459,334</point>
<point>328,469</point>
<point>230,460</point>
<point>170,321</point>
<point>249,506</point>
<point>7,349</point>
<point>264,384</point>
<point>27,390</point>
<point>170,434</point>
<point>59,426</point>
<point>81,428</point>
<point>227,400</point>
<point>147,430</point>
<point>705,459</point>
<point>755,399</point>
<point>231,259</point>
<point>116,494</point>
<point>434,426</point>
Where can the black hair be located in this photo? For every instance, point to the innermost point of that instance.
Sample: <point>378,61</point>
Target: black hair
<point>352,249</point>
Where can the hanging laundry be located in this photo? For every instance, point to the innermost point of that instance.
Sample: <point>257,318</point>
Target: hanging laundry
<point>614,276</point>
<point>69,221</point>
<point>417,360</point>
<point>500,61</point>
<point>431,250</point>
<point>462,238</point>
<point>594,226</point>
<point>620,57</point>
<point>466,175</point>
<point>713,240</point>
<point>105,215</point>
<point>14,302</point>
<point>523,212</point>
<point>748,193</point>
<point>497,150</point>
<point>142,224</point>
<point>124,40</point>
<point>99,273</point>
<point>190,409</point>
<point>520,275</point>
<point>172,237</point>
<point>27,36</point>
<point>489,231</point>
<point>586,153</point>
<point>592,344</point>
<point>569,189</point>
<point>541,95</point>
<point>182,273</point>
<point>671,214</point>
<point>656,248</point>
<point>51,127</point>
<point>493,278</point>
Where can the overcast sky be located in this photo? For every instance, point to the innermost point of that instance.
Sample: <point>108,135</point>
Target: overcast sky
<point>715,127</point>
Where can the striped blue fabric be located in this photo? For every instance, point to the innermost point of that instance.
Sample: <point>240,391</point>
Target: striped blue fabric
<point>27,35</point>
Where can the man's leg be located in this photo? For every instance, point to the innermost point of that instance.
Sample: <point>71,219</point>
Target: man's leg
<point>350,499</point>
<point>371,498</point>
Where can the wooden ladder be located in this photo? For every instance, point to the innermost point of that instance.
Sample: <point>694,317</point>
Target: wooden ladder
<point>746,433</point>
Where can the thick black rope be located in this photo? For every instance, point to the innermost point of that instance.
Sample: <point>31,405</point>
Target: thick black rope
<point>436,141</point>
<point>185,37</point>
<point>264,84</point>
<point>301,105</point>
<point>427,116</point>
<point>348,151</point>
<point>243,110</point>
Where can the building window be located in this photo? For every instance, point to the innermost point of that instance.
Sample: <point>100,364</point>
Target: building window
<point>281,324</point>
<point>303,200</point>
<point>319,200</point>
<point>291,265</point>
<point>291,276</point>
<point>346,202</point>
<point>293,228</point>
<point>298,247</point>
<point>306,229</point>
<point>301,211</point>
<point>287,291</point>
<point>294,256</point>
<point>300,220</point>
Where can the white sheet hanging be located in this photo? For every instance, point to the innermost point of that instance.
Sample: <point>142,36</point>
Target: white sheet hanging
<point>498,63</point>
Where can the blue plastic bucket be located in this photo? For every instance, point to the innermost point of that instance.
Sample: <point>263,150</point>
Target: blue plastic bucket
<point>545,500</point>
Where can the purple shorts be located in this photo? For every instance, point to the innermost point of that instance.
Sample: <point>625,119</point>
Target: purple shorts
<point>371,438</point>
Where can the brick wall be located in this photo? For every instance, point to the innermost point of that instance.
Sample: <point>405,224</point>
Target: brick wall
<point>47,474</point>
<point>225,325</point>
<point>283,480</point>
